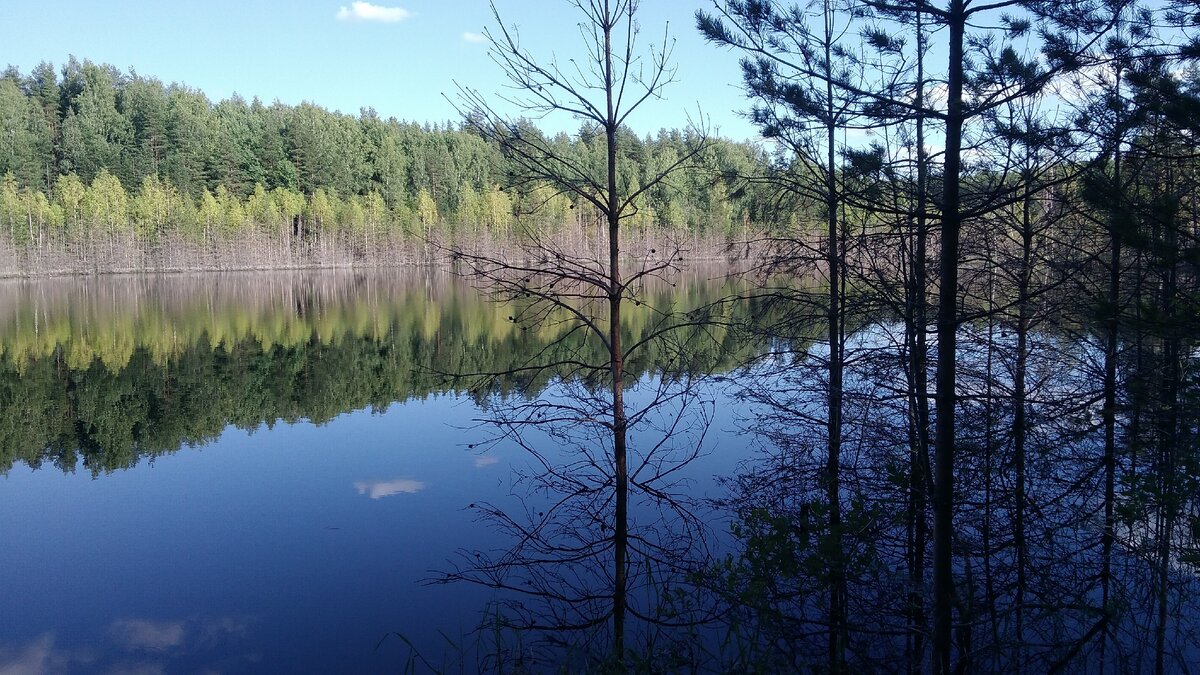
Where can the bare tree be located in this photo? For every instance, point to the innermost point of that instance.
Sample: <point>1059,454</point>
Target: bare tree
<point>580,430</point>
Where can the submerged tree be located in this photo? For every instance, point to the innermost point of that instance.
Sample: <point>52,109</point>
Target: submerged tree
<point>808,117</point>
<point>598,438</point>
<point>997,55</point>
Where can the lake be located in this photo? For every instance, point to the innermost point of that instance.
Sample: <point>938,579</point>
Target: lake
<point>378,472</point>
<point>235,472</point>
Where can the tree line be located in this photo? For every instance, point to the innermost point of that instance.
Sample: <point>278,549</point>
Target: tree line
<point>95,158</point>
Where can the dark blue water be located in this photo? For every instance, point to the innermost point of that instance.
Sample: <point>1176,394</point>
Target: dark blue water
<point>182,520</point>
<point>249,473</point>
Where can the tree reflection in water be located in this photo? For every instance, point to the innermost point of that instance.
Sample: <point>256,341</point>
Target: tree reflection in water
<point>105,373</point>
<point>108,371</point>
<point>562,594</point>
<point>1037,594</point>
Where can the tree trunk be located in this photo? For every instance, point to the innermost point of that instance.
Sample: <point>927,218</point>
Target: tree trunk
<point>837,581</point>
<point>947,325</point>
<point>617,360</point>
<point>918,364</point>
<point>1019,419</point>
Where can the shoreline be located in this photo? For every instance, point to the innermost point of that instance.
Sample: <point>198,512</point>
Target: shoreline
<point>131,257</point>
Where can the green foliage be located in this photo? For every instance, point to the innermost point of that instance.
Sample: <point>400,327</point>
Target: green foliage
<point>25,138</point>
<point>95,132</point>
<point>114,153</point>
<point>106,203</point>
<point>426,210</point>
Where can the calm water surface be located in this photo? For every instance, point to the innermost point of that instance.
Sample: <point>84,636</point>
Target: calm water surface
<point>248,472</point>
<point>263,472</point>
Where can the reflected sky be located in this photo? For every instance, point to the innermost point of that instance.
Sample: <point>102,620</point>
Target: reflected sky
<point>242,473</point>
<point>256,526</point>
<point>378,489</point>
<point>248,473</point>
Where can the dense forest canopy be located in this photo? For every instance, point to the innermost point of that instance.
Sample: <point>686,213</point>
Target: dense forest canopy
<point>88,149</point>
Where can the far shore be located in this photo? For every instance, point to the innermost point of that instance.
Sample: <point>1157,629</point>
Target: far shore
<point>263,254</point>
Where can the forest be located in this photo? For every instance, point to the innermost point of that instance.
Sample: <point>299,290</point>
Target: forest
<point>104,170</point>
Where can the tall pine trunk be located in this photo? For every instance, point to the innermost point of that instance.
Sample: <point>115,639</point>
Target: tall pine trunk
<point>947,325</point>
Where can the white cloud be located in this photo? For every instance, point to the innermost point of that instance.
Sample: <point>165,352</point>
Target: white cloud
<point>365,11</point>
<point>378,489</point>
<point>151,635</point>
<point>481,462</point>
<point>474,38</point>
<point>34,659</point>
<point>166,636</point>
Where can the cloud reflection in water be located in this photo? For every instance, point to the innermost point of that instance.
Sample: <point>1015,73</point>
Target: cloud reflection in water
<point>149,635</point>
<point>378,489</point>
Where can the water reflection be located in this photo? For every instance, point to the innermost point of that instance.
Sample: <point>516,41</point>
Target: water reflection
<point>292,505</point>
<point>378,489</point>
<point>590,576</point>
<point>135,645</point>
<point>1039,586</point>
<point>104,372</point>
<point>311,423</point>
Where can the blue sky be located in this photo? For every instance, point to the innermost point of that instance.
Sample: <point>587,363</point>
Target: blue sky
<point>397,56</point>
